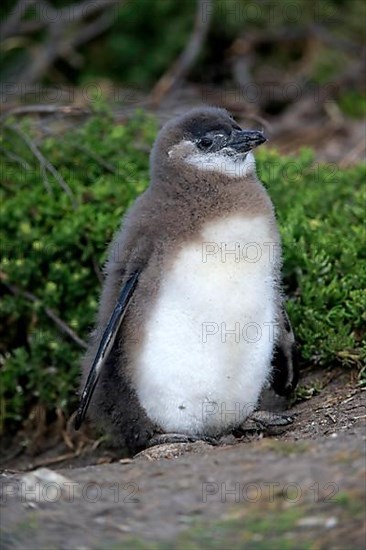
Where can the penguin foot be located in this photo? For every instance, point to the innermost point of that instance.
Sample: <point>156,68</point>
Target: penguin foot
<point>266,421</point>
<point>172,438</point>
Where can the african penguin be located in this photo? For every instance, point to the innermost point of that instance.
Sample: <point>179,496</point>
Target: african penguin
<point>191,324</point>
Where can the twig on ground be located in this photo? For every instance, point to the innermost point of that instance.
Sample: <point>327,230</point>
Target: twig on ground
<point>353,155</point>
<point>54,460</point>
<point>69,110</point>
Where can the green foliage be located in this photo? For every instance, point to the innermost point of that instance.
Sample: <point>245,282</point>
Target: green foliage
<point>353,103</point>
<point>321,210</point>
<point>50,249</point>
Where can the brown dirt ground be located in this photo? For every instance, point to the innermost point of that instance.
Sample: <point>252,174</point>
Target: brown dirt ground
<point>303,488</point>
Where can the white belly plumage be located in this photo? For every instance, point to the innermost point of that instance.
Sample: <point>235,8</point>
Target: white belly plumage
<point>208,343</point>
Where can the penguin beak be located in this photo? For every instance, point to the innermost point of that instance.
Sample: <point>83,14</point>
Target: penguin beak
<point>246,140</point>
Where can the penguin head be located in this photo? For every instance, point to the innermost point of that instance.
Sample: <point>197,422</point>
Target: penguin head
<point>207,139</point>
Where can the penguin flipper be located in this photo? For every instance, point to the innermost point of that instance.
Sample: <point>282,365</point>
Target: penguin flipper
<point>285,373</point>
<point>105,346</point>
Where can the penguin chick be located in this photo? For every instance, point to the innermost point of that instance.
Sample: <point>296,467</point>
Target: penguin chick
<point>195,273</point>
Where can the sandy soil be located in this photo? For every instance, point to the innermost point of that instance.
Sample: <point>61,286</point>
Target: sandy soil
<point>303,488</point>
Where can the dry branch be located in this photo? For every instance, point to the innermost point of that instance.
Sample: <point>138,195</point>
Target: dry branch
<point>45,164</point>
<point>49,312</point>
<point>67,28</point>
<point>11,25</point>
<point>176,74</point>
<point>67,110</point>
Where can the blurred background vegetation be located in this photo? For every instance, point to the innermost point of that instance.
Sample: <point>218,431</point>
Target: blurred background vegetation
<point>85,86</point>
<point>238,42</point>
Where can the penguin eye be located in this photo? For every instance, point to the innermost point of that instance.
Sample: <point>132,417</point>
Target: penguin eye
<point>204,143</point>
